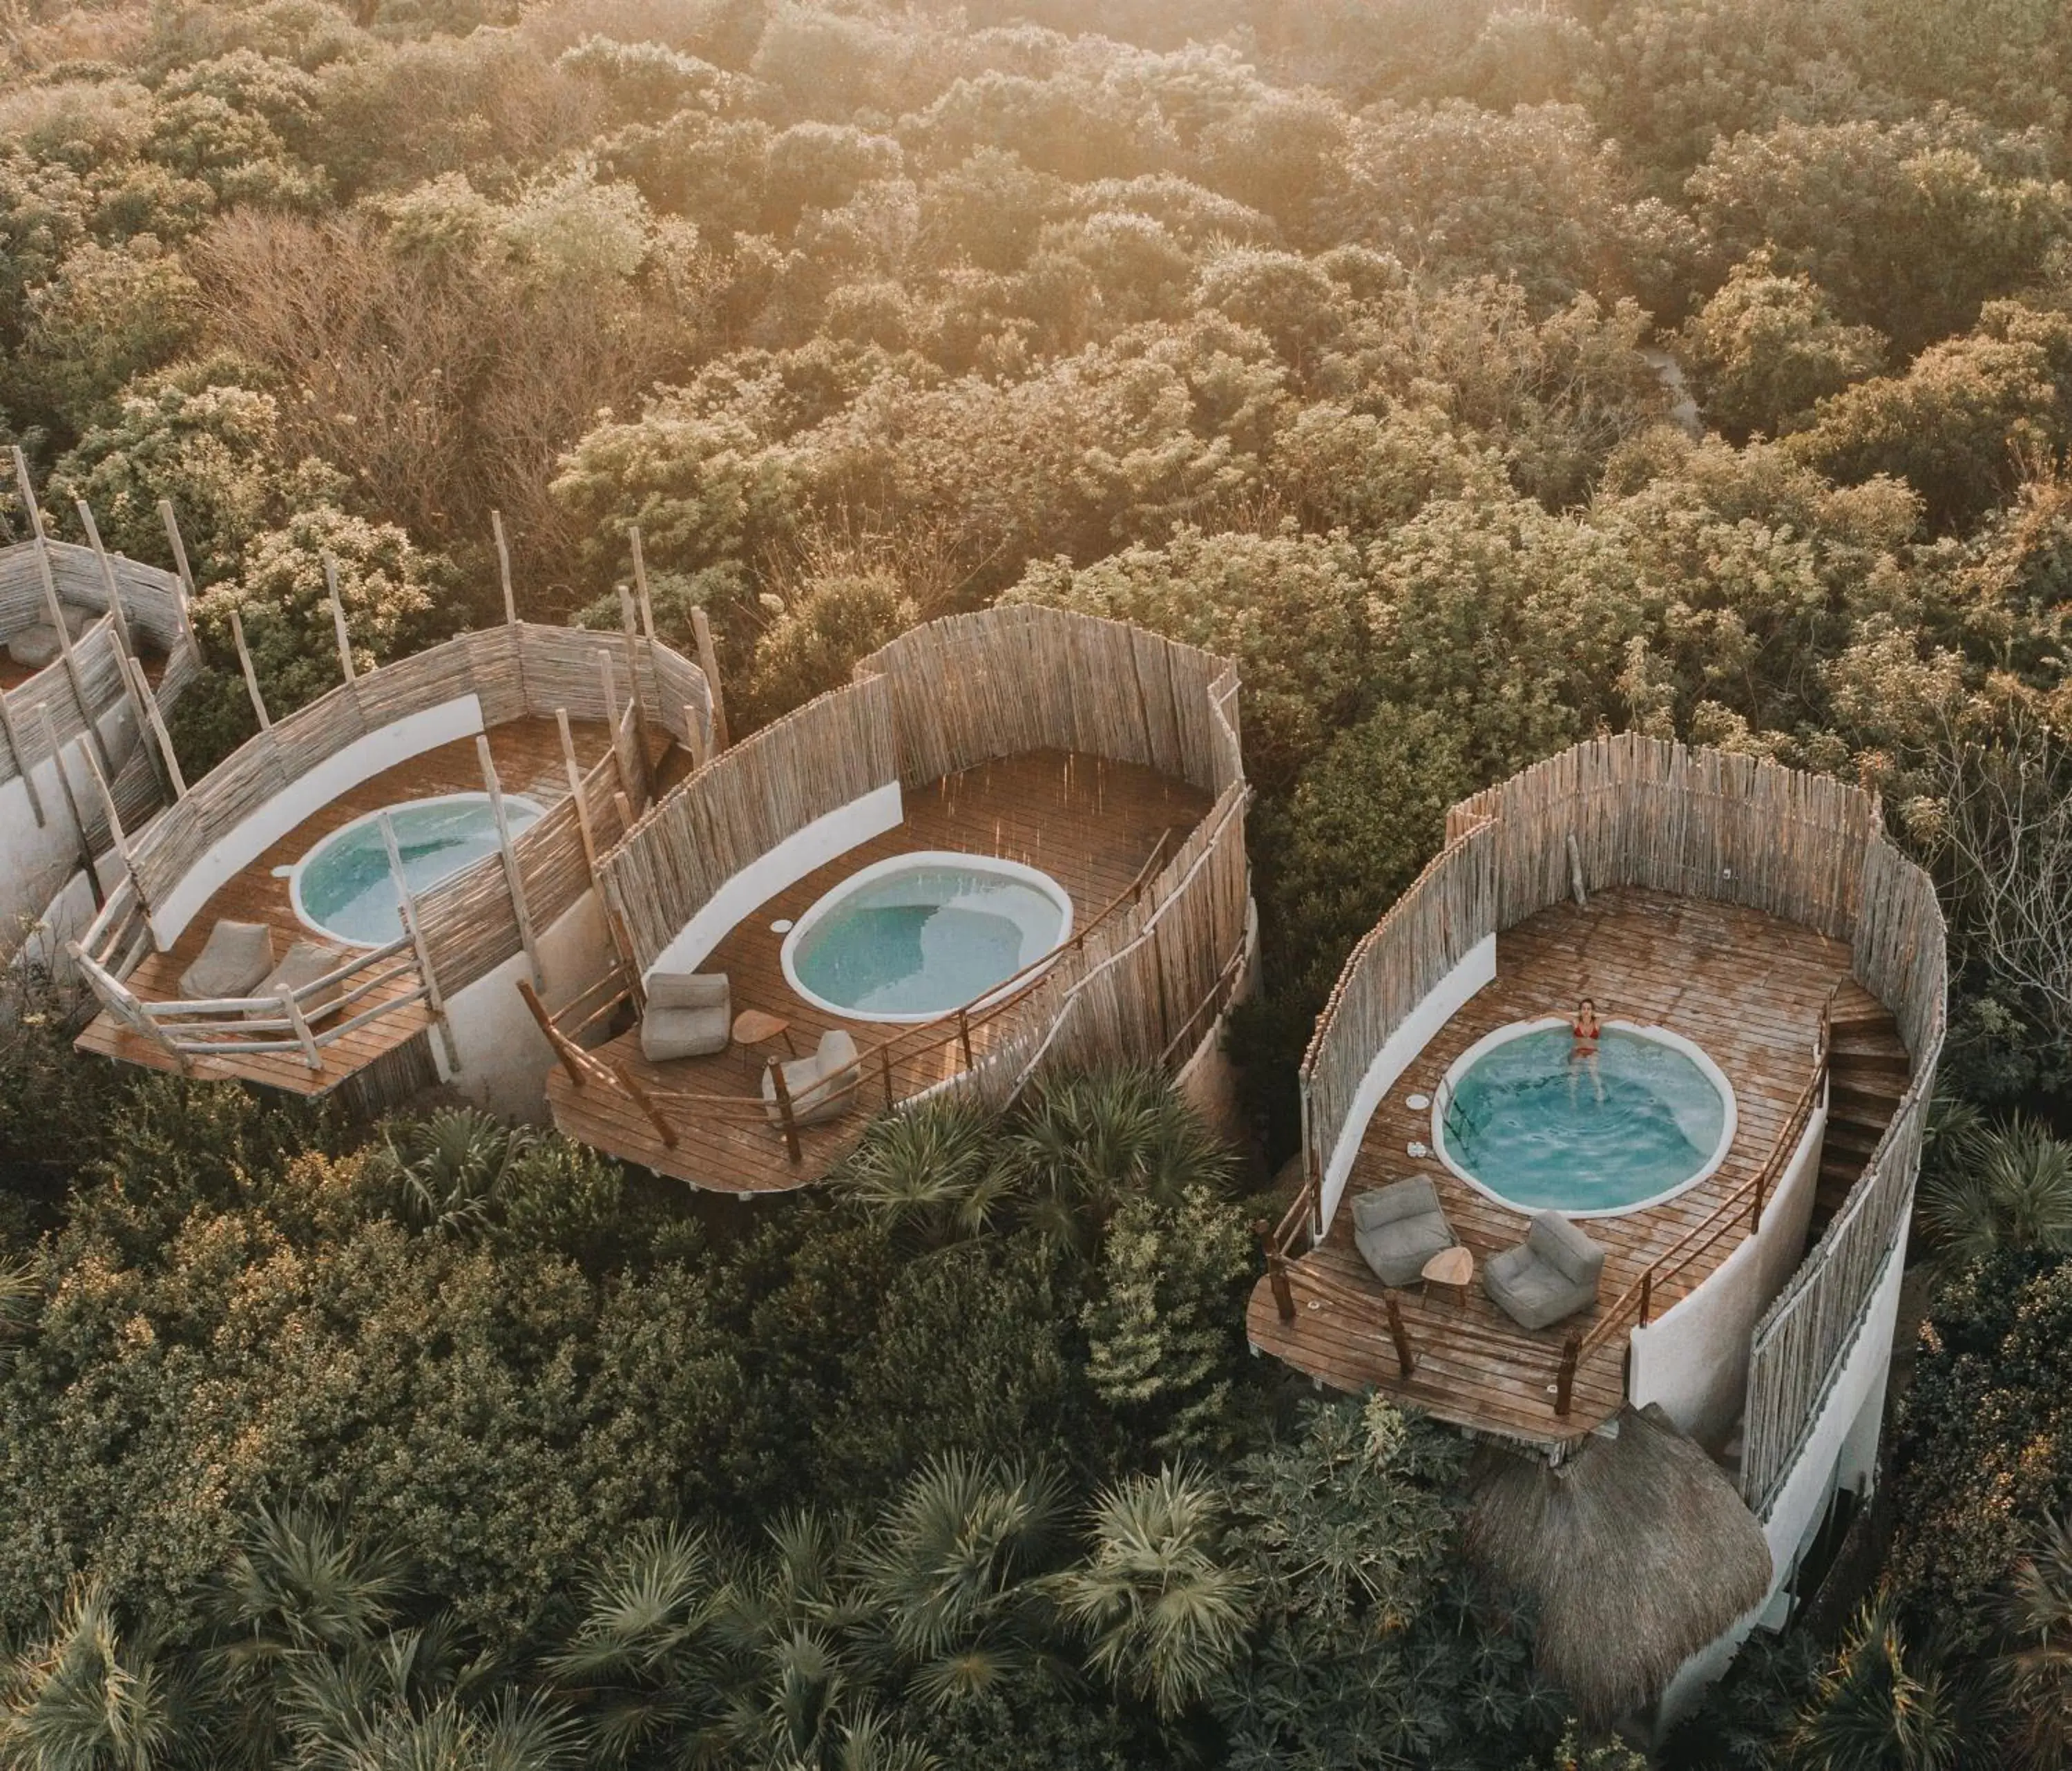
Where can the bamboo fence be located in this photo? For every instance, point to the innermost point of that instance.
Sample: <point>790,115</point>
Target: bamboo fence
<point>469,923</point>
<point>1628,810</point>
<point>1144,982</point>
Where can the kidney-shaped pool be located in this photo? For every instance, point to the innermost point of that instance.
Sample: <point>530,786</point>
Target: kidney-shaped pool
<point>1521,1119</point>
<point>916,936</point>
<point>343,887</point>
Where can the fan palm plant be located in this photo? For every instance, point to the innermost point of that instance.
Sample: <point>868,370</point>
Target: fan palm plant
<point>930,1172</point>
<point>1163,1617</point>
<point>2039,1668</point>
<point>1879,1707</point>
<point>447,1169</point>
<point>2003,1187</point>
<point>950,1576</point>
<point>89,1698</point>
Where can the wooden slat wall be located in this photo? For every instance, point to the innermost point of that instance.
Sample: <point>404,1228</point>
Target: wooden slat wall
<point>1900,956</point>
<point>1644,812</point>
<point>512,671</point>
<point>150,598</point>
<point>1022,677</point>
<point>742,804</point>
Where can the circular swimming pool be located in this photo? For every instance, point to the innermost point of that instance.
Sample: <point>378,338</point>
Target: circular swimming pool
<point>913,937</point>
<point>343,887</point>
<point>1516,1119</point>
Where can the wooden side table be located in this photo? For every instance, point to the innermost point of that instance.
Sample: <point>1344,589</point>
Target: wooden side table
<point>752,1027</point>
<point>1451,1270</point>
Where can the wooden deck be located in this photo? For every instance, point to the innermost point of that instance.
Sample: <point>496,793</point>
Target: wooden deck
<point>1090,823</point>
<point>1747,987</point>
<point>528,759</point>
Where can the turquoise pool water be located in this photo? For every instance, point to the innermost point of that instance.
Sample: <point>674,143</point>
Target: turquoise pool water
<point>923,938</point>
<point>344,885</point>
<point>1532,1128</point>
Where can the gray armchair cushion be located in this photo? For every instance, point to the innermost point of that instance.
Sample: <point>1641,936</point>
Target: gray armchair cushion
<point>236,956</point>
<point>301,965</point>
<point>1553,1273</point>
<point>821,1087</point>
<point>690,1014</point>
<point>688,990</point>
<point>1400,1227</point>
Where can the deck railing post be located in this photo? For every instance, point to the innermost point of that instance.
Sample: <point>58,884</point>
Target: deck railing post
<point>1406,1358</point>
<point>338,618</point>
<point>513,878</point>
<point>297,1019</point>
<point>565,1049</point>
<point>784,1095</point>
<point>1646,1294</point>
<point>183,579</point>
<point>1276,1270</point>
<point>663,1129</point>
<point>709,662</point>
<point>251,675</point>
<point>1564,1379</point>
<point>884,1068</point>
<point>963,1037</point>
<point>406,907</point>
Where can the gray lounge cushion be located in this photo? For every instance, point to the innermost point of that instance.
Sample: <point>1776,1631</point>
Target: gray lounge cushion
<point>302,964</point>
<point>1400,1227</point>
<point>35,646</point>
<point>236,956</point>
<point>1553,1273</point>
<point>689,1014</point>
<point>821,1087</point>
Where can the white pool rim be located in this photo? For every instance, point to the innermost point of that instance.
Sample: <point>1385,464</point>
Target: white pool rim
<point>995,864</point>
<point>1442,1098</point>
<point>314,924</point>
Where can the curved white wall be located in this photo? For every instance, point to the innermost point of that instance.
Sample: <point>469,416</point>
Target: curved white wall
<point>831,834</point>
<point>36,860</point>
<point>367,756</point>
<point>1693,1358</point>
<point>1418,1030</point>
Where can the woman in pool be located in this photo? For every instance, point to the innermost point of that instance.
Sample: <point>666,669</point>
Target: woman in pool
<point>1585,1030</point>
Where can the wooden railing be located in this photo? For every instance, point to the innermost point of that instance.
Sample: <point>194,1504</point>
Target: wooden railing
<point>953,1031</point>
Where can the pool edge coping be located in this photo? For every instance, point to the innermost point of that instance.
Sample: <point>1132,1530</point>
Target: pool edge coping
<point>1729,1127</point>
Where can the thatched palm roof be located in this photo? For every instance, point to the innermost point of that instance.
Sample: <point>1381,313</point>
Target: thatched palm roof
<point>1635,1553</point>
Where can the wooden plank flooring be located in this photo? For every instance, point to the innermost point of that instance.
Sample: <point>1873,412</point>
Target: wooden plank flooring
<point>1088,823</point>
<point>1746,986</point>
<point>529,761</point>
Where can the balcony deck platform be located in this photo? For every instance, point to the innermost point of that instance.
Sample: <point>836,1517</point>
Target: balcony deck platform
<point>1747,987</point>
<point>528,759</point>
<point>1090,823</point>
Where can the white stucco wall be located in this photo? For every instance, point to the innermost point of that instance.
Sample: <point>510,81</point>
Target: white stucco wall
<point>1693,1357</point>
<point>34,860</point>
<point>504,1057</point>
<point>367,756</point>
<point>831,834</point>
<point>1840,1452</point>
<point>1419,1027</point>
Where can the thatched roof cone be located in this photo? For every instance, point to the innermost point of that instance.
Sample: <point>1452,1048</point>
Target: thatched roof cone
<point>1635,1553</point>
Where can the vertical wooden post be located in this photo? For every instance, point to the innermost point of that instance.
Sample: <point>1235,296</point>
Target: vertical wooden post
<point>24,763</point>
<point>663,1129</point>
<point>784,1112</point>
<point>71,799</point>
<point>576,796</point>
<point>709,662</point>
<point>115,608</point>
<point>640,585</point>
<point>406,907</point>
<point>338,616</point>
<point>627,619</point>
<point>694,729</point>
<point>56,609</point>
<point>1646,1295</point>
<point>148,703</point>
<point>512,878</point>
<point>503,569</point>
<point>183,578</point>
<point>115,831</point>
<point>1276,1270</point>
<point>292,1009</point>
<point>1564,1379</point>
<point>885,1069</point>
<point>632,776</point>
<point>1755,1216</point>
<point>1406,1356</point>
<point>963,1037</point>
<point>251,675</point>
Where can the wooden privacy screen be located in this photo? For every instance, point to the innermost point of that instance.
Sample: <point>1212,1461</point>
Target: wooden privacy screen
<point>1637,811</point>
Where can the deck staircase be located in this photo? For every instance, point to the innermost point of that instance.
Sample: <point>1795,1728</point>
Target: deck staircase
<point>1867,1070</point>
